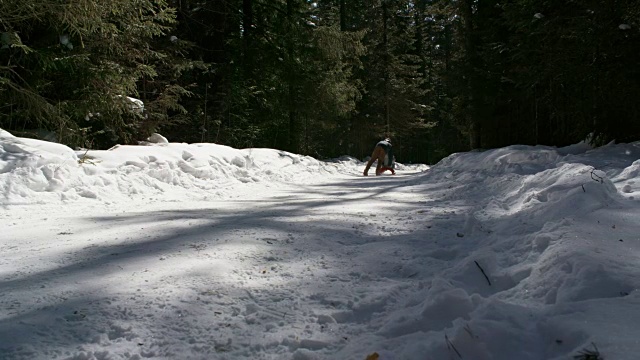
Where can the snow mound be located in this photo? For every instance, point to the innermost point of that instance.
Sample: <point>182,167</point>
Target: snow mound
<point>157,139</point>
<point>31,153</point>
<point>157,167</point>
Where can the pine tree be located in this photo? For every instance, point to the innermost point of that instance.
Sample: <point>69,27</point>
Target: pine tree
<point>69,67</point>
<point>574,69</point>
<point>394,101</point>
<point>280,74</point>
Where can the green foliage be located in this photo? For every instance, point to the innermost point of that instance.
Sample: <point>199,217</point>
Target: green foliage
<point>69,65</point>
<point>551,72</point>
<point>325,77</point>
<point>281,74</point>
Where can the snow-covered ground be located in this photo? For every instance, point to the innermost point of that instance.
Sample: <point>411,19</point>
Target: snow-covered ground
<point>201,251</point>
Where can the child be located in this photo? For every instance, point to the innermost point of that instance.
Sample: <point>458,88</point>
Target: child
<point>384,154</point>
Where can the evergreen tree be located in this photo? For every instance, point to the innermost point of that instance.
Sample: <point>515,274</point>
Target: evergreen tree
<point>281,73</point>
<point>574,69</point>
<point>394,102</point>
<point>69,67</point>
<point>325,77</point>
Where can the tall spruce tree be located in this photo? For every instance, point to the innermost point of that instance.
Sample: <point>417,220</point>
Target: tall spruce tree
<point>281,74</point>
<point>574,70</point>
<point>394,101</point>
<point>69,66</point>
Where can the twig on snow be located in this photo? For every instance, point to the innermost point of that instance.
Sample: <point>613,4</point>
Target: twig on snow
<point>483,273</point>
<point>595,177</point>
<point>450,346</point>
<point>589,354</point>
<point>468,330</point>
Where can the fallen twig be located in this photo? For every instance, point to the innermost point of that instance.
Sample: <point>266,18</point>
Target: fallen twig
<point>589,354</point>
<point>450,346</point>
<point>468,330</point>
<point>596,177</point>
<point>483,273</point>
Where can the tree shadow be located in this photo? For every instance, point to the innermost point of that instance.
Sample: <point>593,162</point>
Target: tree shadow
<point>245,253</point>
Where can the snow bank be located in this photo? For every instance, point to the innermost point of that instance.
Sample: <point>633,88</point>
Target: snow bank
<point>40,171</point>
<point>542,233</point>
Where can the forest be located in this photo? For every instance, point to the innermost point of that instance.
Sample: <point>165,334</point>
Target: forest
<point>323,78</point>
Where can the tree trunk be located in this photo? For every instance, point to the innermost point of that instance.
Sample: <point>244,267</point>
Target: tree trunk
<point>294,127</point>
<point>343,16</point>
<point>385,42</point>
<point>247,27</point>
<point>473,80</point>
<point>247,22</point>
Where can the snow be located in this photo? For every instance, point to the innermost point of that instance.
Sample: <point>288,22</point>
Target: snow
<point>157,139</point>
<point>203,251</point>
<point>136,105</point>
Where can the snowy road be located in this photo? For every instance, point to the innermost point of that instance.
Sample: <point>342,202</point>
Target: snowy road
<point>265,272</point>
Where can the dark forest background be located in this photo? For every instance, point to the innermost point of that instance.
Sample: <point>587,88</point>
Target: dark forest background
<point>323,78</point>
